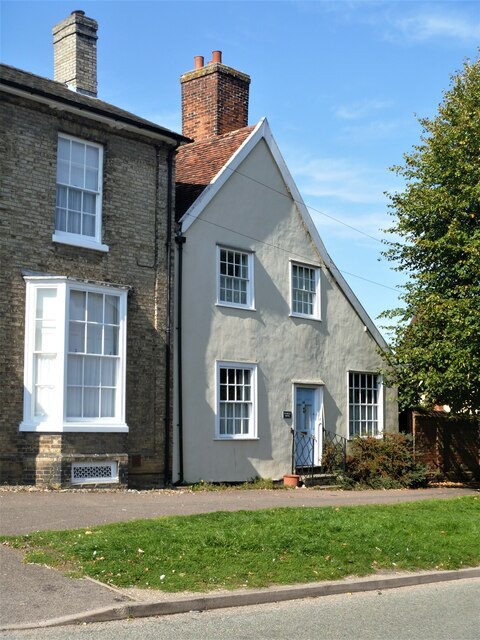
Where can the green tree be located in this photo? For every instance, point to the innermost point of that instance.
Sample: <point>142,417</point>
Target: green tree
<point>436,345</point>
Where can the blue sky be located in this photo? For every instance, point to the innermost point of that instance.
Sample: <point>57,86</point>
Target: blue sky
<point>340,82</point>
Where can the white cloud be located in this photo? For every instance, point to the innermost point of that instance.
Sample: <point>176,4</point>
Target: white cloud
<point>438,20</point>
<point>345,197</point>
<point>437,24</point>
<point>338,178</point>
<point>347,225</point>
<point>360,109</point>
<point>412,21</point>
<point>359,132</point>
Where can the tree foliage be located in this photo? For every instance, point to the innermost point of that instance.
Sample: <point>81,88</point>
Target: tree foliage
<point>436,345</point>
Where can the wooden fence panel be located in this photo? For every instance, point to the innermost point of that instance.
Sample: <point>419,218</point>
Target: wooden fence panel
<point>448,445</point>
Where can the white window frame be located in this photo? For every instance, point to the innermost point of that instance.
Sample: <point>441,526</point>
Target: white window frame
<point>252,431</point>
<point>78,239</point>
<point>250,304</point>
<point>57,420</point>
<point>316,315</point>
<point>379,405</point>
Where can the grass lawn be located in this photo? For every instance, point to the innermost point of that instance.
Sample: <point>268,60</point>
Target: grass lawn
<point>260,548</point>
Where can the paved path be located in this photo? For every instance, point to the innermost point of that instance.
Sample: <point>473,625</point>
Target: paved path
<point>23,511</point>
<point>32,594</point>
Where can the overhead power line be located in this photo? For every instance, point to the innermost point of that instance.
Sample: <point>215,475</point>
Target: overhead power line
<point>288,251</point>
<point>327,215</point>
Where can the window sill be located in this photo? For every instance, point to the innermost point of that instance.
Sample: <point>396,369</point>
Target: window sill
<point>236,439</point>
<point>304,317</point>
<point>231,305</point>
<point>80,241</point>
<point>73,427</point>
<point>378,436</point>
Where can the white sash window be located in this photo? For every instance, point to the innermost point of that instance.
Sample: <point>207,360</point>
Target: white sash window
<point>236,401</point>
<point>365,402</point>
<point>75,341</point>
<point>234,278</point>
<point>305,291</point>
<point>78,215</point>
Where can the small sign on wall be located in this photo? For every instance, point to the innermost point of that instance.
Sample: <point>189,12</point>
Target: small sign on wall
<point>287,415</point>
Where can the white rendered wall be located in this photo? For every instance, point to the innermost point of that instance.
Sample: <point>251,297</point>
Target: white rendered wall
<point>249,216</point>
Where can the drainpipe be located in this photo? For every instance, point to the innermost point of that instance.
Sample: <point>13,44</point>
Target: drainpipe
<point>168,350</point>
<point>180,240</point>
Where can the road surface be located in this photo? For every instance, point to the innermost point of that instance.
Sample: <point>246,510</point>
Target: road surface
<point>443,611</point>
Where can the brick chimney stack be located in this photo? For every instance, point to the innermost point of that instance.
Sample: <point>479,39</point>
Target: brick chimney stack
<point>214,99</point>
<point>75,53</point>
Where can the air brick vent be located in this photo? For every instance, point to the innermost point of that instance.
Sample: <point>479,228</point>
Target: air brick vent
<point>94,472</point>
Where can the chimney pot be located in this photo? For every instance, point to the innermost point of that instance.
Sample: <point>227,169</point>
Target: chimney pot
<point>198,62</point>
<point>78,12</point>
<point>214,99</point>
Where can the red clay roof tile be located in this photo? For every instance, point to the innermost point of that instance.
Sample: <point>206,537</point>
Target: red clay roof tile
<point>199,162</point>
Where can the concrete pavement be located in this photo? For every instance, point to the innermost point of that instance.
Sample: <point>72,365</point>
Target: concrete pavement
<point>33,595</point>
<point>25,511</point>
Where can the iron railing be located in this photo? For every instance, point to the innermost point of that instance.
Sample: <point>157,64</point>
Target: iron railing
<point>334,453</point>
<point>333,458</point>
<point>303,452</point>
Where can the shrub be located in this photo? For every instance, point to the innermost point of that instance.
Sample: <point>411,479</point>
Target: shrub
<point>386,463</point>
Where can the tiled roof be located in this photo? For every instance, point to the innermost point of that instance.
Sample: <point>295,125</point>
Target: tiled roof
<point>56,91</point>
<point>199,162</point>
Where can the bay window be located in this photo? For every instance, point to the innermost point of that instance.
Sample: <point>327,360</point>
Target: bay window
<point>75,340</point>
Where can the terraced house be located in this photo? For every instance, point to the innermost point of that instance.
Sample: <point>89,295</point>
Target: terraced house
<point>276,354</point>
<point>86,275</point>
<point>270,355</point>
